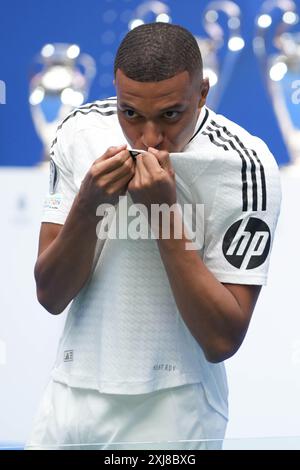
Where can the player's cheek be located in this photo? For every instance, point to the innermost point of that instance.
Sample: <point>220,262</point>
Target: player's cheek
<point>130,130</point>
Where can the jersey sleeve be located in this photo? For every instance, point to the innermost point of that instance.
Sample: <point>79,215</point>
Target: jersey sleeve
<point>62,190</point>
<point>240,223</point>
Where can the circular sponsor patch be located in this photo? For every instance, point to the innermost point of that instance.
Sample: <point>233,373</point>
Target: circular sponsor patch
<point>246,243</point>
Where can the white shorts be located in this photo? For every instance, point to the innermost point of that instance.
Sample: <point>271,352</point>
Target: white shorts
<point>173,418</point>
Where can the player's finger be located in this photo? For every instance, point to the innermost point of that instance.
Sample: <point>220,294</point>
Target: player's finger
<point>148,163</point>
<point>137,174</point>
<point>141,169</point>
<point>112,163</point>
<point>110,152</point>
<point>128,168</point>
<point>163,158</point>
<point>120,184</point>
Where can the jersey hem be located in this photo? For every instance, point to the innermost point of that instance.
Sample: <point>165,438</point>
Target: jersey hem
<point>54,220</point>
<point>137,388</point>
<point>240,278</point>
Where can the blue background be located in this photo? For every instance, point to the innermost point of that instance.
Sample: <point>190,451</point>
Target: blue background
<point>98,26</point>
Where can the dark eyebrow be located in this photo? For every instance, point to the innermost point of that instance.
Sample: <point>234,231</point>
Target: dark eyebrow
<point>177,106</point>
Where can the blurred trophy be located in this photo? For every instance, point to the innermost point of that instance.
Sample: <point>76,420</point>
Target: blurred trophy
<point>221,49</point>
<point>60,81</point>
<point>277,46</point>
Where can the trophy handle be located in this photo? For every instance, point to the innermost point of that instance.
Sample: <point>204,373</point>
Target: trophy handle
<point>159,9</point>
<point>264,21</point>
<point>89,68</point>
<point>235,41</point>
<point>275,65</point>
<point>214,29</point>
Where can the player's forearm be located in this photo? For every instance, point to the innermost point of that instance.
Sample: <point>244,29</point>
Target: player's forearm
<point>209,310</point>
<point>64,267</point>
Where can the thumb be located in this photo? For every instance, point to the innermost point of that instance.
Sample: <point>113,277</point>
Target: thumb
<point>163,158</point>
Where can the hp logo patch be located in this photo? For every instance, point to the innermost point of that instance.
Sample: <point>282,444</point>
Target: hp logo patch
<point>246,244</point>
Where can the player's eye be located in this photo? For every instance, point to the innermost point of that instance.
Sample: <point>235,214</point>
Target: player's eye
<point>129,113</point>
<point>171,114</point>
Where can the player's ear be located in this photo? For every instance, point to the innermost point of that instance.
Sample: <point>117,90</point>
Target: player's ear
<point>114,82</point>
<point>204,91</point>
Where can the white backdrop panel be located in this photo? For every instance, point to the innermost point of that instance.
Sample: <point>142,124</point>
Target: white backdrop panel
<point>264,376</point>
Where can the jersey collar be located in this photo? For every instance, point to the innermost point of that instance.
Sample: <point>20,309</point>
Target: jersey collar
<point>202,119</point>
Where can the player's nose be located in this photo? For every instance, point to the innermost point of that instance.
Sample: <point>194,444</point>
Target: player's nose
<point>152,135</point>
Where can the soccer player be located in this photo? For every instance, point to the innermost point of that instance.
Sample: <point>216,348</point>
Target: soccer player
<point>152,319</point>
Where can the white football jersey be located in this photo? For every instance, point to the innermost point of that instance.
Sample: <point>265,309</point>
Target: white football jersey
<point>124,333</point>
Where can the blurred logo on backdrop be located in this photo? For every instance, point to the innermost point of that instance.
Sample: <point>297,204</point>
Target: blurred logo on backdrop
<point>21,213</point>
<point>220,51</point>
<point>2,92</point>
<point>60,81</point>
<point>277,47</point>
<point>3,354</point>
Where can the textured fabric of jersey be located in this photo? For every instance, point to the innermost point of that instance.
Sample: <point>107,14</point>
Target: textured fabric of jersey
<point>124,333</point>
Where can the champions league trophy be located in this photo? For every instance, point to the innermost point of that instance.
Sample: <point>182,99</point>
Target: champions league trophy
<point>216,45</point>
<point>277,46</point>
<point>61,84</point>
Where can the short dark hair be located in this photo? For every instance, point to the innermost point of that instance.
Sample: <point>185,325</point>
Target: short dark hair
<point>157,51</point>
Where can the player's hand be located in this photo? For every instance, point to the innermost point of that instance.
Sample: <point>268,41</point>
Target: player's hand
<point>154,179</point>
<point>107,179</point>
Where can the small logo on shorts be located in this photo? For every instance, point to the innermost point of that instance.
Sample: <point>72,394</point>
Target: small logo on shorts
<point>68,356</point>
